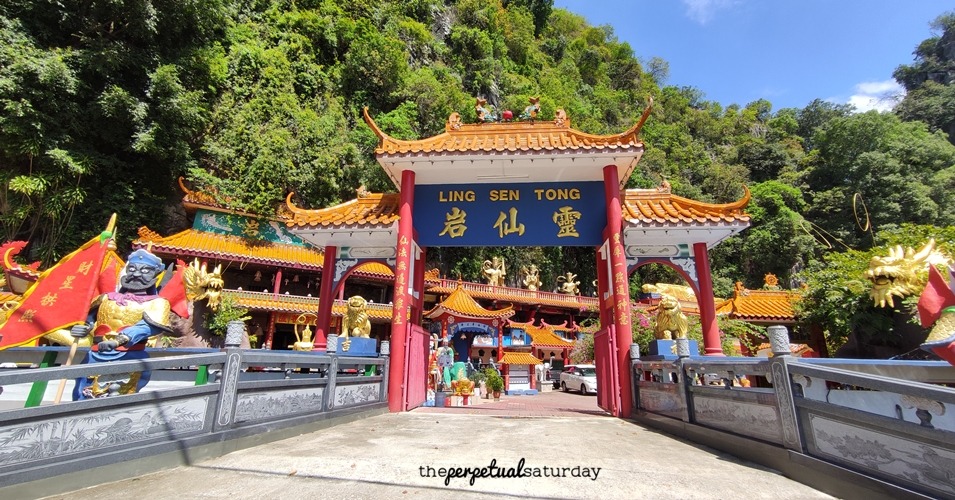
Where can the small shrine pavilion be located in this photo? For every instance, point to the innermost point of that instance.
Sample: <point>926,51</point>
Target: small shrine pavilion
<point>475,333</point>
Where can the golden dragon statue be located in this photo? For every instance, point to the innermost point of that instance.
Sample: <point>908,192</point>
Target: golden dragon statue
<point>902,272</point>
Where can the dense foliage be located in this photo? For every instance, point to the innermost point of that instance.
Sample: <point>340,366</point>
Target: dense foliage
<point>103,105</point>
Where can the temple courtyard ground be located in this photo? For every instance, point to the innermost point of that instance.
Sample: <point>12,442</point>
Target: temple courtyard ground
<point>570,448</point>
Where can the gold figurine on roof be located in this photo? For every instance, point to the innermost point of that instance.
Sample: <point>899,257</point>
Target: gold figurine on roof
<point>532,278</point>
<point>494,271</point>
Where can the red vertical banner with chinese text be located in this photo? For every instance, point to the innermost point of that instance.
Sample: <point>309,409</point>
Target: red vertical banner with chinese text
<point>59,299</point>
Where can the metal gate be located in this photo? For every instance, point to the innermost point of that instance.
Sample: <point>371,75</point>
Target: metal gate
<point>416,370</point>
<point>608,376</point>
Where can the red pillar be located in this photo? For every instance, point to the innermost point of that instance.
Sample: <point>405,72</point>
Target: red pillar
<point>278,283</point>
<point>401,302</point>
<point>418,303</point>
<point>603,286</point>
<point>620,287</point>
<point>325,300</point>
<point>270,331</point>
<point>711,332</point>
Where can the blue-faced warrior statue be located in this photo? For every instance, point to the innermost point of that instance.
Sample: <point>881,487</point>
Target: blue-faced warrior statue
<point>121,323</point>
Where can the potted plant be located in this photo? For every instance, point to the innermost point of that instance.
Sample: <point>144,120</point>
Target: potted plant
<point>479,379</point>
<point>495,383</point>
<point>217,322</point>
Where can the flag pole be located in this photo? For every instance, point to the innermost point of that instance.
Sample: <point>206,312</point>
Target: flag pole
<point>104,237</point>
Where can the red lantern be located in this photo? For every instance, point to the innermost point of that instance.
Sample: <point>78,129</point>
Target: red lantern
<point>508,114</point>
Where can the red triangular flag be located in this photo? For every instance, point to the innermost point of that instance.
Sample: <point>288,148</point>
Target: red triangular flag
<point>175,292</point>
<point>109,276</point>
<point>60,298</point>
<point>936,296</point>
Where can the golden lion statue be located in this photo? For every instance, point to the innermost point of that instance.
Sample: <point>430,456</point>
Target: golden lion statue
<point>671,323</point>
<point>356,322</point>
<point>902,272</point>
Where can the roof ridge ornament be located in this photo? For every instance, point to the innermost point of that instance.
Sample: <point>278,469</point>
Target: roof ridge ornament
<point>560,119</point>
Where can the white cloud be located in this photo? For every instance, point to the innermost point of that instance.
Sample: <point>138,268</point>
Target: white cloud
<point>880,96</point>
<point>702,11</point>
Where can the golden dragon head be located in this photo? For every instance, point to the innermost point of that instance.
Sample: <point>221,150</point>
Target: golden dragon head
<point>902,272</point>
<point>201,284</point>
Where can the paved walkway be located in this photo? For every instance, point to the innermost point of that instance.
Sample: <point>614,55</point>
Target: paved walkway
<point>392,455</point>
<point>545,404</point>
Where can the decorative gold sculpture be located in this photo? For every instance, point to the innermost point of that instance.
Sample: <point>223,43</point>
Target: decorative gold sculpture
<point>494,271</point>
<point>5,309</point>
<point>304,340</point>
<point>461,385</point>
<point>671,323</point>
<point>902,272</point>
<point>568,285</point>
<point>201,284</point>
<point>531,277</point>
<point>356,322</point>
<point>681,292</point>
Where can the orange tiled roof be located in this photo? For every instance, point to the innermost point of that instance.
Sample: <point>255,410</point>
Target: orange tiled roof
<point>221,246</point>
<point>759,305</point>
<point>376,269</point>
<point>259,301</point>
<point>797,349</point>
<point>518,295</point>
<point>197,199</point>
<point>367,211</point>
<point>512,136</point>
<point>658,206</point>
<point>544,337</point>
<point>461,304</point>
<point>519,358</point>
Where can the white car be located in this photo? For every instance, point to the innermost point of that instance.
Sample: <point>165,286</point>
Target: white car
<point>579,377</point>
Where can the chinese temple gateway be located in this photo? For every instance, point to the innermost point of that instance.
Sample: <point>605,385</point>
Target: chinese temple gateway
<point>516,184</point>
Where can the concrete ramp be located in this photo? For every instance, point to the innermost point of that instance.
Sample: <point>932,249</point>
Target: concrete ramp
<point>386,456</point>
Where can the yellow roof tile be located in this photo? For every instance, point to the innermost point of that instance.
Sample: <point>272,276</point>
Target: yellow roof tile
<point>459,303</point>
<point>371,210</point>
<point>543,336</point>
<point>516,295</point>
<point>220,246</point>
<point>263,301</point>
<point>8,297</point>
<point>658,206</point>
<point>519,358</point>
<point>760,305</point>
<point>509,136</point>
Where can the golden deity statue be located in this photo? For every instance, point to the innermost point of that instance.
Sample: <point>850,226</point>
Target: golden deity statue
<point>568,285</point>
<point>494,271</point>
<point>531,277</point>
<point>304,340</point>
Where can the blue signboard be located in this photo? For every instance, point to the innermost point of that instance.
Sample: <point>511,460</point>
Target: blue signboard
<point>533,214</point>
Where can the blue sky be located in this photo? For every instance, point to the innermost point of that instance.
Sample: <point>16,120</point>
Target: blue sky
<point>786,51</point>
